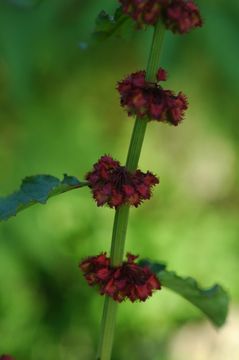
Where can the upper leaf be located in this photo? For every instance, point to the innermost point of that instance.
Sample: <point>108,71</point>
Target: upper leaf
<point>36,189</point>
<point>107,25</point>
<point>213,301</point>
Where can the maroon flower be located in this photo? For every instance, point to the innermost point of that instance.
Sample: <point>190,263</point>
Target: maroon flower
<point>144,12</point>
<point>128,280</point>
<point>96,269</point>
<point>6,357</point>
<point>131,281</point>
<point>112,184</point>
<point>146,99</point>
<point>180,16</point>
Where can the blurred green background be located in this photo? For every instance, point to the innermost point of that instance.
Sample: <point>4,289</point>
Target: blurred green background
<point>59,112</point>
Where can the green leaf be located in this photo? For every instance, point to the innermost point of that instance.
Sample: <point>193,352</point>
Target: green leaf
<point>213,302</point>
<point>36,189</point>
<point>107,25</point>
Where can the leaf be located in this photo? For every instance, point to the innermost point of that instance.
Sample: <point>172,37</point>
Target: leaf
<point>36,189</point>
<point>107,25</point>
<point>213,302</point>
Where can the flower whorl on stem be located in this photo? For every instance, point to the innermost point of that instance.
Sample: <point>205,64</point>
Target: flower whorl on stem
<point>148,99</point>
<point>127,281</point>
<point>179,16</point>
<point>114,185</point>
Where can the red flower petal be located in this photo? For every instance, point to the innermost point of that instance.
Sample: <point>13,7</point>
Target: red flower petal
<point>161,75</point>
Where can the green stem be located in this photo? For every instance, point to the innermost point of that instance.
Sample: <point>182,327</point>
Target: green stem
<point>122,213</point>
<point>140,125</point>
<point>110,306</point>
<point>119,235</point>
<point>107,329</point>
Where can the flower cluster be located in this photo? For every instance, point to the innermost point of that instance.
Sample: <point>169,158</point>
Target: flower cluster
<point>148,99</point>
<point>112,184</point>
<point>127,281</point>
<point>180,16</point>
<point>96,269</point>
<point>145,12</point>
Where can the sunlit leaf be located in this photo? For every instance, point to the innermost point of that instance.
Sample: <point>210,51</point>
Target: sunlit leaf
<point>213,302</point>
<point>36,189</point>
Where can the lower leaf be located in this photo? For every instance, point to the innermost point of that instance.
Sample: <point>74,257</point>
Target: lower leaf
<point>213,302</point>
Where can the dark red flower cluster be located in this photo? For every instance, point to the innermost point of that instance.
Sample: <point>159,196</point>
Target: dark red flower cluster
<point>144,12</point>
<point>112,184</point>
<point>146,99</point>
<point>128,281</point>
<point>180,16</point>
<point>96,269</point>
<point>6,357</point>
